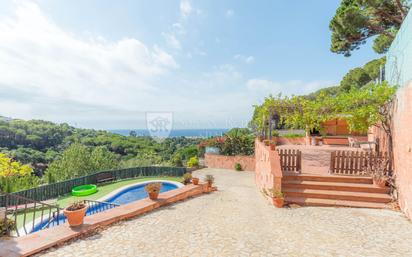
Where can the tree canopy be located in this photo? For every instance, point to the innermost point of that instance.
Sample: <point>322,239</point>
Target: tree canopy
<point>356,21</point>
<point>13,175</point>
<point>355,78</point>
<point>79,160</point>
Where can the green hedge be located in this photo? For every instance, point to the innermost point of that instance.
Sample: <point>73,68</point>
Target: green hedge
<point>55,190</point>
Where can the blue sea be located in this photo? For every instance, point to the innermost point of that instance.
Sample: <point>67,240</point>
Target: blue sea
<point>198,133</point>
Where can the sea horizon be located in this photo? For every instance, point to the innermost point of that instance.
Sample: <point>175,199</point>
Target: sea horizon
<point>198,133</point>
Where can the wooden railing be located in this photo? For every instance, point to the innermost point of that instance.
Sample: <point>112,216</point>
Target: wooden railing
<point>290,160</point>
<point>354,162</point>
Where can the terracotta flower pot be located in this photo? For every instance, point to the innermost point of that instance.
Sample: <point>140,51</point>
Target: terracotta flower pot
<point>273,146</point>
<point>195,181</point>
<point>75,218</point>
<point>379,182</point>
<point>278,202</point>
<point>153,195</point>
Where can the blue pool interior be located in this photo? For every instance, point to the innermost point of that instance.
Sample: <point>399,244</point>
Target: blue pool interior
<point>130,194</point>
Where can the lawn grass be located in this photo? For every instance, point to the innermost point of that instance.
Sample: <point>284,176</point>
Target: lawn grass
<point>103,190</point>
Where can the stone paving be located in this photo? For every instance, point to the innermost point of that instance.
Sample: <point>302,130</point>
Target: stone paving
<point>237,221</point>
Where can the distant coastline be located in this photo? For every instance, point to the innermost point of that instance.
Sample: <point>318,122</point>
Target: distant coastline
<point>192,133</point>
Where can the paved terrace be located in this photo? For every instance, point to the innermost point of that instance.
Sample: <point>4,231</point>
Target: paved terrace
<point>316,159</point>
<point>237,221</point>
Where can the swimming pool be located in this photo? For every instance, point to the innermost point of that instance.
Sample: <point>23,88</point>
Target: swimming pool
<point>124,195</point>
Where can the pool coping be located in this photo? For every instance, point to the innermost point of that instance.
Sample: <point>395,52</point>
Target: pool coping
<point>44,239</point>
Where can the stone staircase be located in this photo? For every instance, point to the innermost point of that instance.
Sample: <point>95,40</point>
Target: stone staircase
<point>331,190</point>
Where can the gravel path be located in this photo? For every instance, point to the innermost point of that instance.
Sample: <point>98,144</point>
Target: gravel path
<point>237,221</point>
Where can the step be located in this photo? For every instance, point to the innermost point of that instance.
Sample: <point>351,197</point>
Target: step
<point>337,195</point>
<point>333,203</point>
<point>329,178</point>
<point>335,186</point>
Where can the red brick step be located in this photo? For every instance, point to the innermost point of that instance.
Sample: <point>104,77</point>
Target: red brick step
<point>333,203</point>
<point>328,178</point>
<point>334,186</point>
<point>337,195</point>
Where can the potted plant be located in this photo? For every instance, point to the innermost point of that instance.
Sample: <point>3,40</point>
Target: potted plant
<point>379,180</point>
<point>378,168</point>
<point>75,213</point>
<point>153,190</point>
<point>273,145</point>
<point>187,177</point>
<point>195,181</point>
<point>278,198</point>
<point>238,167</point>
<point>266,142</point>
<point>209,179</point>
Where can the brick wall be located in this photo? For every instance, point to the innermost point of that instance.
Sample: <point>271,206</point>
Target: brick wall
<point>228,162</point>
<point>268,173</point>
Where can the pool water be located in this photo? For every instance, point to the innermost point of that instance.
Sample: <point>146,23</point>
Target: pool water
<point>136,193</point>
<point>128,195</point>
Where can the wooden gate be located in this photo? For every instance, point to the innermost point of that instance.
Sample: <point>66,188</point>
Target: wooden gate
<point>290,160</point>
<point>354,162</point>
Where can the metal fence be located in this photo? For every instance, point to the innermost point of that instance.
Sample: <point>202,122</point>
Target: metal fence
<point>46,192</point>
<point>21,219</point>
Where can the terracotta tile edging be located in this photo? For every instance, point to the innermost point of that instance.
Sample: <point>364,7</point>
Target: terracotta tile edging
<point>44,239</point>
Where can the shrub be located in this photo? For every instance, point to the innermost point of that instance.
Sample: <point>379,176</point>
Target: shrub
<point>6,226</point>
<point>193,162</point>
<point>153,187</point>
<point>275,133</point>
<point>187,177</point>
<point>274,193</point>
<point>76,206</point>
<point>209,179</point>
<point>238,167</point>
<point>293,135</point>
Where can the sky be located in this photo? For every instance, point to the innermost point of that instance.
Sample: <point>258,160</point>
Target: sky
<point>106,64</point>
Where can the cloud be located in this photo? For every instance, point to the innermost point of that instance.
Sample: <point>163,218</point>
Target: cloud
<point>178,28</point>
<point>245,59</point>
<point>44,61</point>
<point>172,41</point>
<point>229,13</point>
<point>185,8</point>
